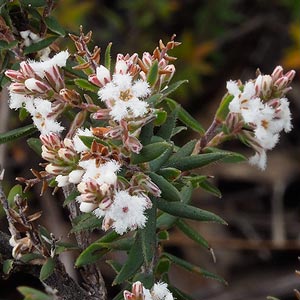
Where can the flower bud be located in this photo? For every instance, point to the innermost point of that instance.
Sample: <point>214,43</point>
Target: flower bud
<point>55,169</point>
<point>137,290</point>
<point>75,176</point>
<point>87,207</point>
<point>263,85</point>
<point>54,78</point>
<point>277,73</point>
<point>14,75</point>
<point>121,67</point>
<point>147,59</point>
<point>70,96</point>
<point>18,88</point>
<point>101,114</point>
<point>133,144</point>
<point>27,70</point>
<point>103,75</point>
<point>67,155</point>
<point>36,86</point>
<point>62,180</point>
<point>105,203</point>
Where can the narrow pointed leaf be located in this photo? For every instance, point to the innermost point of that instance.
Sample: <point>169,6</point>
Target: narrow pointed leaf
<point>171,88</point>
<point>186,193</point>
<point>116,266</point>
<point>195,161</point>
<point>232,157</point>
<point>133,263</point>
<point>47,269</point>
<point>54,26</point>
<point>153,73</point>
<point>150,152</point>
<point>107,57</point>
<point>148,236</point>
<point>210,188</point>
<point>36,145</point>
<point>167,128</point>
<point>161,117</point>
<point>192,233</point>
<point>40,45</point>
<point>185,150</point>
<point>90,222</point>
<point>189,121</point>
<point>85,85</point>
<point>165,221</point>
<point>17,133</point>
<point>71,197</point>
<point>7,266</point>
<point>146,134</point>
<point>168,190</point>
<point>192,268</point>
<point>183,210</point>
<point>170,174</point>
<point>223,109</point>
<point>26,258</point>
<point>33,294</point>
<point>155,164</point>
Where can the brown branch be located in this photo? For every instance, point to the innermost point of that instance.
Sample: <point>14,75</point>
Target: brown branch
<point>91,274</point>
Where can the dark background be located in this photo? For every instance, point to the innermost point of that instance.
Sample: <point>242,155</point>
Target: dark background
<point>227,39</point>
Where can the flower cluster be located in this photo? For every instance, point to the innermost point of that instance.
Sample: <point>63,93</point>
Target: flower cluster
<point>262,110</point>
<point>159,291</point>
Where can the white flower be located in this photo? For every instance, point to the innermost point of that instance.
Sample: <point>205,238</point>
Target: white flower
<point>127,212</point>
<point>39,110</point>
<point>16,100</point>
<point>87,207</point>
<point>160,291</point>
<point>284,114</point>
<point>104,174</point>
<point>123,97</point>
<point>259,159</point>
<point>78,144</point>
<point>75,176</point>
<point>40,67</point>
<point>62,180</point>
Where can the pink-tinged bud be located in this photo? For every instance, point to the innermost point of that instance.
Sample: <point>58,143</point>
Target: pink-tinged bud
<point>115,132</point>
<point>82,188</point>
<point>55,169</point>
<point>62,180</point>
<point>36,86</point>
<point>169,72</point>
<point>68,143</point>
<point>70,96</point>
<point>51,140</point>
<point>281,83</point>
<point>133,144</point>
<point>137,290</point>
<point>134,58</point>
<point>18,88</point>
<point>87,207</point>
<point>290,75</point>
<point>264,85</point>
<point>128,296</point>
<point>121,67</point>
<point>105,203</point>
<point>103,75</point>
<point>101,114</point>
<point>67,155</point>
<point>88,197</point>
<point>94,80</point>
<point>151,187</point>
<point>147,59</point>
<point>48,154</point>
<point>53,76</point>
<point>162,63</point>
<point>277,73</point>
<point>27,70</point>
<point>14,75</point>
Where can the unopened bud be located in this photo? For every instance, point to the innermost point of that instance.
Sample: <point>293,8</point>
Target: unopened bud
<point>277,73</point>
<point>107,223</point>
<point>103,75</point>
<point>101,114</point>
<point>281,83</point>
<point>133,144</point>
<point>54,78</point>
<point>128,296</point>
<point>70,96</point>
<point>147,59</point>
<point>137,290</point>
<point>121,67</point>
<point>55,169</point>
<point>290,75</point>
<point>87,207</point>
<point>27,70</point>
<point>36,86</point>
<point>18,88</point>
<point>67,155</point>
<point>105,203</point>
<point>15,75</point>
<point>263,85</point>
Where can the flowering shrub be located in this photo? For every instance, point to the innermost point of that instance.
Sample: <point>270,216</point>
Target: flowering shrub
<point>106,132</point>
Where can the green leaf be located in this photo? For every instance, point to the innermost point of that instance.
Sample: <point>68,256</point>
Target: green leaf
<point>62,247</point>
<point>153,73</point>
<point>192,268</point>
<point>146,134</point>
<point>163,235</point>
<point>167,128</point>
<point>185,150</point>
<point>195,161</point>
<point>71,197</point>
<point>161,117</point>
<point>54,26</point>
<point>155,164</point>
<point>168,190</point>
<point>15,190</point>
<point>232,157</point>
<point>148,236</point>
<point>133,263</point>
<point>186,193</point>
<point>17,133</point>
<point>95,250</point>
<point>88,140</point>
<point>223,109</point>
<point>150,152</point>
<point>6,46</point>
<point>107,60</point>
<point>192,234</point>
<point>178,294</point>
<point>170,174</point>
<point>178,129</point>
<point>165,221</point>
<point>171,88</point>
<point>146,278</point>
<point>154,99</point>
<point>210,188</point>
<point>47,269</point>
<point>163,266</point>
<point>86,85</point>
<point>87,222</point>
<point>116,266</point>
<point>33,3</point>
<point>195,180</point>
<point>8,266</point>
<point>36,145</point>
<point>189,121</point>
<point>39,45</point>
<point>26,258</point>
<point>33,294</point>
<point>23,113</point>
<point>183,210</point>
